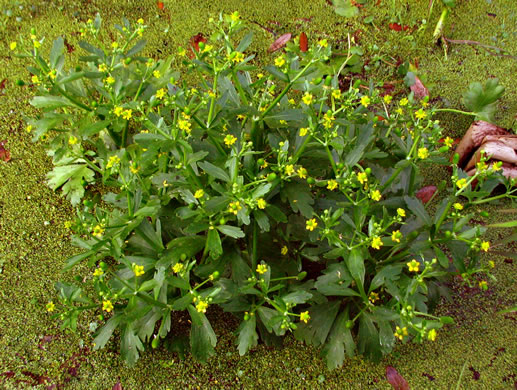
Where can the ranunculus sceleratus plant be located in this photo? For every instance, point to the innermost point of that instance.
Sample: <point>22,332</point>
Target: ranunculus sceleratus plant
<point>279,196</point>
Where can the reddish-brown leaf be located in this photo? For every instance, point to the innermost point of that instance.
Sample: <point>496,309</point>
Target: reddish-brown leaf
<point>194,43</point>
<point>426,193</point>
<point>419,89</point>
<point>395,379</point>
<point>2,86</point>
<point>5,155</point>
<point>117,386</point>
<point>280,42</point>
<point>398,27</point>
<point>160,4</point>
<point>69,47</point>
<point>304,43</point>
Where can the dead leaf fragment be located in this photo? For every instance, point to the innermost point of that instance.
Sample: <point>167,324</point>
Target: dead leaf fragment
<point>5,155</point>
<point>395,379</point>
<point>425,194</point>
<point>280,42</point>
<point>304,44</point>
<point>160,5</point>
<point>117,386</point>
<point>419,90</point>
<point>194,44</point>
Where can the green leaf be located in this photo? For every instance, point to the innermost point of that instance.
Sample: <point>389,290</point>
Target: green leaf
<point>297,297</point>
<point>202,340</point>
<point>386,336</point>
<point>70,177</point>
<point>315,332</point>
<point>72,261</point>
<point>262,220</point>
<point>276,213</point>
<point>248,337</point>
<point>246,41</point>
<point>232,231</point>
<point>417,208</point>
<point>56,53</point>
<point>355,264</point>
<point>507,224</point>
<point>183,302</point>
<point>50,102</point>
<point>260,191</point>
<point>368,338</point>
<point>340,338</point>
<point>335,281</point>
<point>390,272</point>
<point>300,198</point>
<point>277,73</point>
<point>364,138</point>
<point>130,344</point>
<point>481,100</point>
<point>214,171</point>
<point>345,8</point>
<point>89,129</point>
<point>104,333</point>
<point>213,244</point>
<point>136,48</point>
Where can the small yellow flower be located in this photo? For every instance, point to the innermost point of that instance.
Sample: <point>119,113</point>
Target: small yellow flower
<point>305,317</point>
<point>461,183</point>
<point>387,99</point>
<point>291,101</point>
<point>365,101</point>
<point>396,236</point>
<point>375,195</point>
<point>107,306</point>
<point>448,141</point>
<point>165,184</point>
<point>37,44</point>
<point>401,212</point>
<point>140,21</point>
<point>114,45</point>
<point>283,122</point>
<point>399,111</point>
<point>413,266</point>
<point>177,268</point>
<point>29,128</point>
<point>238,57</point>
<point>35,80</point>
<point>264,165</point>
<point>420,114</point>
<point>431,335</point>
<point>260,75</point>
<point>332,185</point>
<point>12,45</point>
<point>376,243</point>
<point>373,297</point>
<point>185,125</point>
<point>72,140</point>
<point>234,207</point>
<point>113,161</point>
<point>134,169</point>
<point>261,203</point>
<point>118,111</point>
<point>262,268</point>
<point>201,306</point>
<point>304,131</point>
<point>138,270</point>
<point>302,173</point>
<point>127,114</point>
<point>401,332</point>
<point>157,74</point>
<point>284,250</point>
<point>423,153</point>
<point>280,61</point>
<point>103,68</point>
<point>323,43</point>
<point>307,98</point>
<point>362,177</point>
<point>403,102</point>
<point>182,52</point>
<point>483,285</point>
<point>289,169</point>
<point>110,80</point>
<point>161,93</point>
<point>458,206</point>
<point>98,272</point>
<point>485,246</point>
<point>199,194</point>
<point>229,140</point>
<point>98,231</point>
<point>336,94</point>
<point>50,306</point>
<point>235,16</point>
<point>311,224</point>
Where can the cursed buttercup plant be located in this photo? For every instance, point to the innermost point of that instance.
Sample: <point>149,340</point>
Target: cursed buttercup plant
<point>282,198</point>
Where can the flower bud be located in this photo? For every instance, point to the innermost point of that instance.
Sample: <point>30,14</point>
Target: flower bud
<point>302,275</point>
<point>183,257</point>
<point>328,81</point>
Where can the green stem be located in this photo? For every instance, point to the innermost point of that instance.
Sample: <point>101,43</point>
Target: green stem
<point>254,247</point>
<point>331,159</point>
<point>302,148</point>
<point>212,103</point>
<point>239,87</point>
<point>455,111</point>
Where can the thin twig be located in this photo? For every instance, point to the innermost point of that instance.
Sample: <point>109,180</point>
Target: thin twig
<point>488,48</point>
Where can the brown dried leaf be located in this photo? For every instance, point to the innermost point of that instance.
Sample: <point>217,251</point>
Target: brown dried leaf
<point>304,43</point>
<point>419,89</point>
<point>117,386</point>
<point>395,379</point>
<point>194,43</point>
<point>280,42</point>
<point>5,155</point>
<point>425,194</point>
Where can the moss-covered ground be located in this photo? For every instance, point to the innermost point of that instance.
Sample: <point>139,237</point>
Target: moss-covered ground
<point>34,242</point>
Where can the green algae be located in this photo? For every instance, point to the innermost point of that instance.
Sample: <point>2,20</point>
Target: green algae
<point>35,243</point>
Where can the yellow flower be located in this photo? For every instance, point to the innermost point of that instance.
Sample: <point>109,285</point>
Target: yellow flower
<point>413,266</point>
<point>114,45</point>
<point>103,68</point>
<point>458,206</point>
<point>260,75</point>
<point>157,74</point>
<point>234,207</point>
<point>328,120</point>
<point>323,43</point>
<point>177,268</point>
<point>238,57</point>
<point>485,246</point>
<point>304,316</point>
<point>401,332</point>
<point>280,61</point>
<point>98,272</point>
<point>491,263</point>
<point>29,128</point>
<point>311,224</point>
<point>396,236</point>
<point>127,114</point>
<point>403,102</point>
<point>229,140</point>
<point>376,243</point>
<point>12,45</point>
<point>483,285</point>
<point>182,52</point>
<point>98,230</point>
<point>332,184</point>
<point>201,306</point>
<point>161,93</point>
<point>110,80</point>
<point>264,165</point>
<point>284,250</point>
<point>289,169</point>
<point>375,195</point>
<point>387,99</point>
<point>304,131</point>
<point>302,173</point>
<point>50,306</point>
<point>374,297</point>
<point>235,16</point>
<point>420,114</point>
<point>431,335</point>
<point>262,268</point>
<point>423,153</point>
<point>365,101</point>
<point>185,125</point>
<point>401,212</point>
<point>399,111</point>
<point>307,98</point>
<point>336,94</point>
<point>261,203</point>
<point>72,140</point>
<point>134,169</point>
<point>461,183</point>
<point>107,306</point>
<point>113,161</point>
<point>37,44</point>
<point>362,177</point>
<point>138,270</point>
<point>140,21</point>
<point>118,111</point>
<point>35,80</point>
<point>199,194</point>
<point>448,141</point>
<point>291,101</point>
<point>207,49</point>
